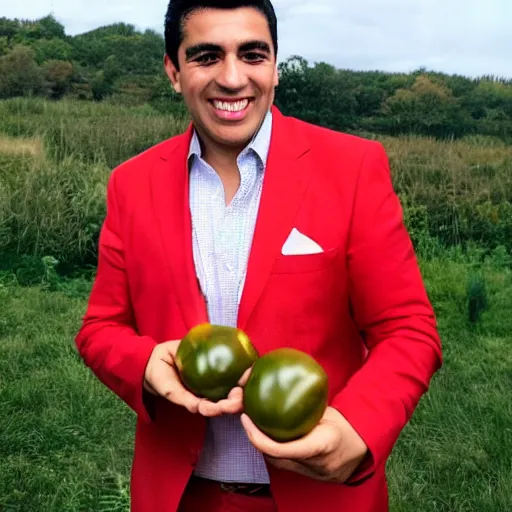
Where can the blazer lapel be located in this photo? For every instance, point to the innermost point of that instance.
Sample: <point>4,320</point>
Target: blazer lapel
<point>170,191</point>
<point>285,181</point>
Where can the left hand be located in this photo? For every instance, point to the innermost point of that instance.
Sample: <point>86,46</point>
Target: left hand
<point>232,404</point>
<point>330,452</point>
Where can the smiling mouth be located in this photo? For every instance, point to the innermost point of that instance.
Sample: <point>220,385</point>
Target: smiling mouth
<point>231,106</point>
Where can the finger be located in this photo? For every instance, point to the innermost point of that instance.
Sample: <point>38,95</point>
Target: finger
<point>287,465</point>
<point>236,394</point>
<point>306,447</point>
<point>316,472</point>
<point>172,347</point>
<point>234,402</point>
<point>149,388</point>
<point>212,409</point>
<point>231,405</point>
<point>173,390</point>
<point>245,377</point>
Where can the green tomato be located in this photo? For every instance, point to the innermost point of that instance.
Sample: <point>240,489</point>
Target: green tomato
<point>212,358</point>
<point>286,394</point>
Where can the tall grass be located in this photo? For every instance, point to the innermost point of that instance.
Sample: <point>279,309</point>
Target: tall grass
<point>460,190</point>
<point>454,193</point>
<point>51,208</point>
<point>88,131</point>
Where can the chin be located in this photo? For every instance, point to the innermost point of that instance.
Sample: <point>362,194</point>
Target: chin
<point>235,140</point>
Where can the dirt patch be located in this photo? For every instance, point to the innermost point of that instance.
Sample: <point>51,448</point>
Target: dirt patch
<point>18,146</point>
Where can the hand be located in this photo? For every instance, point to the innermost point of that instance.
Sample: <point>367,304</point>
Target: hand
<point>161,378</point>
<point>330,452</point>
<point>233,404</point>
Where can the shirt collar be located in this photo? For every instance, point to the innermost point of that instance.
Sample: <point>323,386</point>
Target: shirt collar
<point>260,142</point>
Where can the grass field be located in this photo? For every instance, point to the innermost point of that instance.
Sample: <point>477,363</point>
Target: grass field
<point>66,441</point>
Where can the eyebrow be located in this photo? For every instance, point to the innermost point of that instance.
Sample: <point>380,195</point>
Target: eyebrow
<point>195,50</point>
<point>255,45</point>
<point>191,52</point>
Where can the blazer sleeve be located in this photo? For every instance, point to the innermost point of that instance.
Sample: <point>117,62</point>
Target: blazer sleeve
<point>392,310</point>
<point>107,340</point>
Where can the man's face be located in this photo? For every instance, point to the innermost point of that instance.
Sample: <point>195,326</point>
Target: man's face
<point>227,73</point>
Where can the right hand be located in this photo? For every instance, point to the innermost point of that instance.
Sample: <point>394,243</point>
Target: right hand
<point>161,378</point>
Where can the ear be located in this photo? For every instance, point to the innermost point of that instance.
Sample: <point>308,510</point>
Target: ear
<point>172,73</point>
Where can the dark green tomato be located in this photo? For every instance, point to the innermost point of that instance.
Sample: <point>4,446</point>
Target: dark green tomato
<point>212,358</point>
<point>286,394</point>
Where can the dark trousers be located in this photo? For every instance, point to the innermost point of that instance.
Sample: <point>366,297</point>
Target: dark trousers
<point>208,496</point>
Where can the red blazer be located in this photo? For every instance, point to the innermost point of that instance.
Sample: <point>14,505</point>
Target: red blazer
<point>360,307</point>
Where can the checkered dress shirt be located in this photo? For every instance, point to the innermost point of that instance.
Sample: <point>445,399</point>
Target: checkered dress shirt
<point>222,237</point>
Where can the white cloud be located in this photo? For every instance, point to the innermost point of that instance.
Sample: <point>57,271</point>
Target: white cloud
<point>468,37</point>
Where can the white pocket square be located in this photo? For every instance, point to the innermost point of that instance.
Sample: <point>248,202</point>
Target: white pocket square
<point>298,243</point>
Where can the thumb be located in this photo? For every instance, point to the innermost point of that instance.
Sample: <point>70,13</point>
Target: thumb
<point>171,347</point>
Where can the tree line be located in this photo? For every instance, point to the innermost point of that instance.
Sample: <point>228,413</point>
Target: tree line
<point>37,58</point>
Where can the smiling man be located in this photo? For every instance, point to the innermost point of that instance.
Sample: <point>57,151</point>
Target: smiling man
<point>289,231</point>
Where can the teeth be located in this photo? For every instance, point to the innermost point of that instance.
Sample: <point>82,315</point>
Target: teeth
<point>231,106</point>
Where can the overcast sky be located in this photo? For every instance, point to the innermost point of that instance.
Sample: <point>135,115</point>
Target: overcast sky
<point>468,37</point>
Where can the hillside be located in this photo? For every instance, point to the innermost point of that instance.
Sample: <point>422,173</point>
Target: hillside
<point>123,65</point>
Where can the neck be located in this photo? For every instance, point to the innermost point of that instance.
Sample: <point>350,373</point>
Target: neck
<point>221,158</point>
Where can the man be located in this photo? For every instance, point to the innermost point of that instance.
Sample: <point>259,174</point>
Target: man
<point>289,231</point>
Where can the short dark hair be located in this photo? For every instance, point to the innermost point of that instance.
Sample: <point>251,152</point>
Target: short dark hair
<point>179,10</point>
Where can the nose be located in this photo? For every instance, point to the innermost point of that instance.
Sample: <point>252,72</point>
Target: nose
<point>231,76</point>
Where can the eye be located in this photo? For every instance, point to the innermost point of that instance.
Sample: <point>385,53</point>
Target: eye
<point>254,57</point>
<point>206,59</point>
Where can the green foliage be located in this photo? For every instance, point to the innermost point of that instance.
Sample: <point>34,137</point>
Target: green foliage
<point>459,192</point>
<point>4,45</point>
<point>424,103</point>
<point>427,108</point>
<point>321,94</point>
<point>101,87</point>
<point>455,194</point>
<point>58,75</point>
<point>51,208</point>
<point>165,100</point>
<point>52,49</point>
<point>8,28</point>
<point>31,270</point>
<point>55,166</point>
<point>477,298</point>
<point>49,28</point>
<point>123,65</point>
<point>19,73</point>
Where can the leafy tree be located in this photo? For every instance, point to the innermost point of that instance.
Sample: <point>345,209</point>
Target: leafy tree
<point>116,29</point>
<point>4,45</point>
<point>19,73</point>
<point>369,99</point>
<point>120,58</point>
<point>112,70</point>
<point>8,28</point>
<point>488,95</point>
<point>58,75</point>
<point>44,28</point>
<point>319,94</point>
<point>89,52</point>
<point>164,98</point>
<point>100,87</point>
<point>426,108</point>
<point>52,49</point>
<point>50,28</point>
